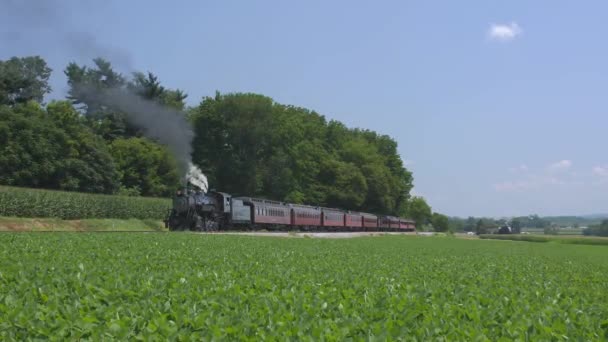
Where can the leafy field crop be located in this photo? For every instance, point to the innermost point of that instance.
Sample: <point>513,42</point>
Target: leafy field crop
<point>163,286</point>
<point>579,240</point>
<point>24,202</point>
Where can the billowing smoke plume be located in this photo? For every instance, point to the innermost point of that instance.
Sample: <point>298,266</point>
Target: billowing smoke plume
<point>168,126</point>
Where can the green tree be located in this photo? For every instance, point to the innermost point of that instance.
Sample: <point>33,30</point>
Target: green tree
<point>346,186</point>
<point>419,211</point>
<point>149,87</point>
<point>480,227</point>
<point>516,226</point>
<point>23,79</point>
<point>144,167</point>
<point>85,83</point>
<point>470,224</point>
<point>53,149</point>
<point>250,145</point>
<point>440,222</point>
<point>456,224</point>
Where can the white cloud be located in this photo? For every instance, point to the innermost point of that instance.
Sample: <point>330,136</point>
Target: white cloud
<point>561,165</point>
<point>600,171</point>
<point>408,162</point>
<point>504,32</point>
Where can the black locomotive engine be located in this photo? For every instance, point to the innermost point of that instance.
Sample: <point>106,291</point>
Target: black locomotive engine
<point>199,211</point>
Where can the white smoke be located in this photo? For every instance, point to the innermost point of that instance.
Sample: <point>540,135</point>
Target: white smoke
<point>196,177</point>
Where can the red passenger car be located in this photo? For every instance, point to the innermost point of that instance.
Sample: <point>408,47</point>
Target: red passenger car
<point>305,216</point>
<point>353,220</point>
<point>393,222</point>
<point>383,222</point>
<point>332,218</point>
<point>405,224</point>
<point>388,223</point>
<point>268,212</point>
<point>369,221</point>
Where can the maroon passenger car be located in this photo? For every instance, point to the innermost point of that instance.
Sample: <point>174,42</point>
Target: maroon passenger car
<point>305,216</point>
<point>332,218</point>
<point>269,212</point>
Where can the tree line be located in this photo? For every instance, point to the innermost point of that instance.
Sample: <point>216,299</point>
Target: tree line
<point>597,230</point>
<point>484,225</point>
<point>247,144</point>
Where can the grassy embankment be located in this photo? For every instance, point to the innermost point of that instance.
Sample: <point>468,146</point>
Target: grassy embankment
<point>21,224</point>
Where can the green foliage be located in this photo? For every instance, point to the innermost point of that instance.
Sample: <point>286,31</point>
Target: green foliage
<point>248,144</point>
<point>456,225</point>
<point>145,168</point>
<point>529,238</point>
<point>516,226</point>
<point>53,149</point>
<point>23,79</point>
<point>481,227</point>
<point>148,87</point>
<point>440,222</point>
<point>101,76</point>
<point>551,230</point>
<point>86,82</point>
<point>419,211</point>
<point>599,230</point>
<point>23,202</point>
<point>208,287</point>
<point>532,221</point>
<point>600,241</point>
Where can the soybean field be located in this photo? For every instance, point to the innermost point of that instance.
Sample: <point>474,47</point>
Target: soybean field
<point>184,286</point>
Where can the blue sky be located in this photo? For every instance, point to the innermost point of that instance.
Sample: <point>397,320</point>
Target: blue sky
<point>499,108</point>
